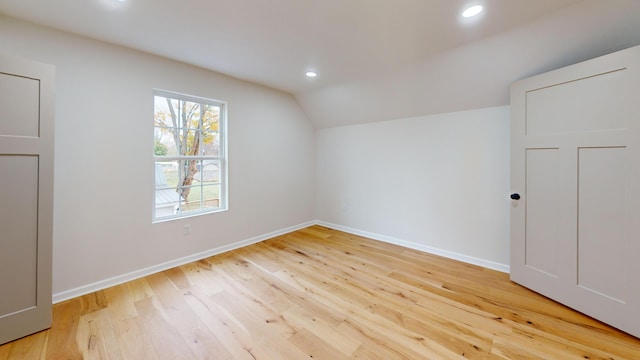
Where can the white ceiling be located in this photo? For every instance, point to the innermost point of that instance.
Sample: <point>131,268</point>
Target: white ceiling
<point>367,52</point>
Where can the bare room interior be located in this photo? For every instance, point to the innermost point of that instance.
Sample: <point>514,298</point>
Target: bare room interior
<point>287,179</point>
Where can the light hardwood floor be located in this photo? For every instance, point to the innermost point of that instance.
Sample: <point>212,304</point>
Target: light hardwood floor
<point>319,293</point>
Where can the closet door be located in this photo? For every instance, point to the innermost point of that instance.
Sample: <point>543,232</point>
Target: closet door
<point>575,160</point>
<point>26,196</point>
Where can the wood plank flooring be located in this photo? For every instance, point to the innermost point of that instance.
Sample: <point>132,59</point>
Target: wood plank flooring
<point>319,293</point>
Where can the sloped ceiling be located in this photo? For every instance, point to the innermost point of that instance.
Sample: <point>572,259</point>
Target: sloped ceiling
<point>479,74</point>
<point>376,59</point>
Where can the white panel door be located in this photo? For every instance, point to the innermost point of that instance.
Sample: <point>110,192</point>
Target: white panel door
<point>26,196</point>
<point>575,162</point>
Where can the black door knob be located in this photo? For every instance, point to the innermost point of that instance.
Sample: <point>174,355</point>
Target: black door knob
<point>515,196</point>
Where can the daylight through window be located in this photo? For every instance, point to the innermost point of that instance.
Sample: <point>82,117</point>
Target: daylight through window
<point>189,154</point>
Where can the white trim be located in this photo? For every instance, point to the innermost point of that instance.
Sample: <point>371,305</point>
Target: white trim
<point>428,249</point>
<point>120,279</point>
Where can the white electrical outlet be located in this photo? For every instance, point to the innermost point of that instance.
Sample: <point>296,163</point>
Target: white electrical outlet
<point>187,229</point>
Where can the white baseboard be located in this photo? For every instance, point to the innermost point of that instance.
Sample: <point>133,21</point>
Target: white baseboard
<point>428,249</point>
<point>120,279</point>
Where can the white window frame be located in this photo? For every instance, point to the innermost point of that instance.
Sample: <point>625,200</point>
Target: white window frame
<point>222,156</point>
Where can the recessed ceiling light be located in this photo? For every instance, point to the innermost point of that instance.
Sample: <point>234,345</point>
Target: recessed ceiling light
<point>311,74</point>
<point>472,11</point>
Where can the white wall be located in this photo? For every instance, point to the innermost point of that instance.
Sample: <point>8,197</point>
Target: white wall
<point>104,171</point>
<point>438,183</point>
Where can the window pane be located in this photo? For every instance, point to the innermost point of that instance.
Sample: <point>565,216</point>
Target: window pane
<point>189,115</point>
<point>189,170</point>
<point>162,116</point>
<point>167,174</point>
<point>211,195</point>
<point>190,142</point>
<point>182,114</point>
<point>167,200</point>
<point>166,203</point>
<point>210,172</point>
<point>201,197</point>
<point>211,117</point>
<point>210,143</point>
<point>164,143</point>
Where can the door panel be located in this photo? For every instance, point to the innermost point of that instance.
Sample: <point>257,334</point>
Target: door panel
<point>603,221</point>
<point>542,167</point>
<point>563,108</point>
<point>18,221</point>
<point>575,150</point>
<point>26,196</point>
<point>20,105</point>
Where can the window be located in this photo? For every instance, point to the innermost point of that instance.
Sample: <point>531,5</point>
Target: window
<point>189,156</point>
